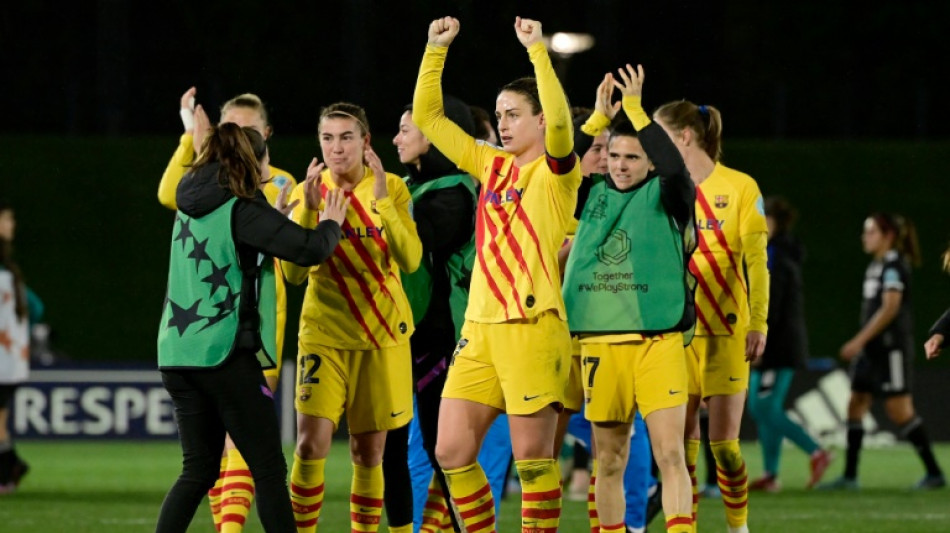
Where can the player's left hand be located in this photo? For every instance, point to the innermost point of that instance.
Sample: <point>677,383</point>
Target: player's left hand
<point>851,349</point>
<point>933,345</point>
<point>528,31</point>
<point>632,84</point>
<point>282,204</point>
<point>380,190</point>
<point>754,345</point>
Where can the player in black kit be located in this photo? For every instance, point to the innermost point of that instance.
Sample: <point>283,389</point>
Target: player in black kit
<point>882,352</point>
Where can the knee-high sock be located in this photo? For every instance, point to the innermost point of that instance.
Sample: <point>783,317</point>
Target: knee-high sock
<point>855,440</point>
<point>914,432</point>
<point>733,481</point>
<point>614,528</point>
<point>401,529</point>
<point>214,495</point>
<point>691,448</point>
<point>366,498</point>
<point>435,511</point>
<point>237,493</point>
<point>540,495</point>
<point>472,497</point>
<point>306,492</point>
<point>679,523</point>
<point>591,500</point>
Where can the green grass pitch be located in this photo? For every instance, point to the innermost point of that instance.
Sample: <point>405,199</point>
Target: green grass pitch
<point>104,487</point>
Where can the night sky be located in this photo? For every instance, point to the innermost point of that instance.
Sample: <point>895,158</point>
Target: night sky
<point>794,69</point>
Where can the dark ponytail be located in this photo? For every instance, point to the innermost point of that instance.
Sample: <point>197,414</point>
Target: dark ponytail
<point>904,232</point>
<point>238,151</point>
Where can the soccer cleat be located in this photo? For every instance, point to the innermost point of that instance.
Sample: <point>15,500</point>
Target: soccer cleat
<point>819,463</point>
<point>842,483</point>
<point>766,483</point>
<point>930,482</point>
<point>20,468</point>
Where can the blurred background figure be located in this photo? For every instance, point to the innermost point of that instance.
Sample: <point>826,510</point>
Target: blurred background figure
<point>941,329</point>
<point>881,353</point>
<point>786,352</point>
<point>19,308</point>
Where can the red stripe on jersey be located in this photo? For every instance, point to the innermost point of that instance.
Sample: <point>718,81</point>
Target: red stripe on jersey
<point>480,215</point>
<point>534,237</point>
<point>475,511</point>
<point>500,262</point>
<point>512,241</point>
<point>709,296</point>
<point>364,288</point>
<point>714,266</point>
<point>354,309</point>
<point>702,320</point>
<point>720,236</point>
<point>367,259</point>
<point>368,222</point>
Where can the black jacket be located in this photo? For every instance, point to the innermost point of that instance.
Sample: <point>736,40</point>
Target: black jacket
<point>788,337</point>
<point>257,228</point>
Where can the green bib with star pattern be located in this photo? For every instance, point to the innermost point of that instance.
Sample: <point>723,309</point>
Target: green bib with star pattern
<point>626,270</point>
<point>200,320</point>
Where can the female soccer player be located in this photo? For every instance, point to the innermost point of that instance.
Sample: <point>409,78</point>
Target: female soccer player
<point>356,321</point>
<point>731,306</point>
<point>628,295</point>
<point>19,308</point>
<point>882,352</point>
<point>941,328</point>
<point>245,110</point>
<point>514,354</point>
<point>786,352</point>
<point>217,325</point>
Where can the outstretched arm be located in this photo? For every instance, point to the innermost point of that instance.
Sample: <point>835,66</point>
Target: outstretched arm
<point>427,110</point>
<point>559,134</point>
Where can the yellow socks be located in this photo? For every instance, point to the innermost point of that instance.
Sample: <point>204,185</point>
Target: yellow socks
<point>616,528</point>
<point>691,449</point>
<point>237,493</point>
<point>366,498</point>
<point>591,501</point>
<point>733,481</point>
<point>679,523</point>
<point>540,495</point>
<point>435,513</point>
<point>472,496</point>
<point>214,495</point>
<point>401,529</point>
<point>306,492</point>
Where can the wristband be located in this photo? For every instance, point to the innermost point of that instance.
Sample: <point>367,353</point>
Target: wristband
<point>187,118</point>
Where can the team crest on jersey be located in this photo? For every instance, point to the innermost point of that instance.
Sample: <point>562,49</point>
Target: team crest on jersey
<point>372,207</point>
<point>722,200</point>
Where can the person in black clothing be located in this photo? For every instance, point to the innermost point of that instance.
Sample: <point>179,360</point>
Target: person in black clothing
<point>444,211</point>
<point>941,328</point>
<point>882,352</point>
<point>211,347</point>
<point>772,373</point>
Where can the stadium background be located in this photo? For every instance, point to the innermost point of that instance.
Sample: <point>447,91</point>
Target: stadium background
<point>838,109</point>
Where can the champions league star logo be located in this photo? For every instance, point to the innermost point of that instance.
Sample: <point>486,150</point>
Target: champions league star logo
<point>615,249</point>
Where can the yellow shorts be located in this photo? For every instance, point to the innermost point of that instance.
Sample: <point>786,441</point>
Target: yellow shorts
<point>519,366</point>
<point>717,365</point>
<point>574,395</point>
<point>374,387</point>
<point>648,375</point>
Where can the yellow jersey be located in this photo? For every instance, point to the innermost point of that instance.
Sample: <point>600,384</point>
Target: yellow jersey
<point>355,300</point>
<point>523,213</point>
<point>730,223</point>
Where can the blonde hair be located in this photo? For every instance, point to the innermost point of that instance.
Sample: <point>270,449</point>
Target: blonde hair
<point>346,110</point>
<point>248,101</point>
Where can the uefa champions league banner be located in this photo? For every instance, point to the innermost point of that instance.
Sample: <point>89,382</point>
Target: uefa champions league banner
<point>108,403</point>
